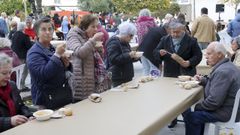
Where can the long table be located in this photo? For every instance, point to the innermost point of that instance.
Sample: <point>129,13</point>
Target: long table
<point>142,111</point>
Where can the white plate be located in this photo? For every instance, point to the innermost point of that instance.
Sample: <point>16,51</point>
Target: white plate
<point>57,115</point>
<point>43,115</point>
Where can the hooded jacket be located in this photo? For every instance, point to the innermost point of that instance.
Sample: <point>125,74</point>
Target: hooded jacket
<point>234,27</point>
<point>143,24</point>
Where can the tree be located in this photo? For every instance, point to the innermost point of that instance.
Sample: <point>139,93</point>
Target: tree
<point>234,3</point>
<point>133,6</point>
<point>9,6</point>
<point>96,5</point>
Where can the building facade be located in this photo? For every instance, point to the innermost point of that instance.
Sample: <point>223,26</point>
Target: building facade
<point>192,8</point>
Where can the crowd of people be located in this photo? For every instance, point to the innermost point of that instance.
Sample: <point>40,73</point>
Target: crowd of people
<point>99,61</point>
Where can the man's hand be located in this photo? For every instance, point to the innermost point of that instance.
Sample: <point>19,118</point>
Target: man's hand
<point>198,77</point>
<point>18,120</point>
<point>162,52</point>
<point>65,60</point>
<point>185,64</point>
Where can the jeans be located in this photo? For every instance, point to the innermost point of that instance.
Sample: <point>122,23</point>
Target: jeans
<point>195,121</point>
<point>65,36</point>
<point>148,66</point>
<point>203,45</point>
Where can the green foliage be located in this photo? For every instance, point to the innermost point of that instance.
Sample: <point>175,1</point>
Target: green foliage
<point>235,3</point>
<point>96,5</point>
<point>134,6</point>
<point>9,6</point>
<point>173,9</point>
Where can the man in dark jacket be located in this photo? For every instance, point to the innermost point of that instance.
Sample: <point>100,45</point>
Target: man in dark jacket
<point>178,43</point>
<point>184,46</point>
<point>221,87</point>
<point>149,43</point>
<point>20,45</point>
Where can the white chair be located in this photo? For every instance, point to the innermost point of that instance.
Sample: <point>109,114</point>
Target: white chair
<point>231,124</point>
<point>19,70</point>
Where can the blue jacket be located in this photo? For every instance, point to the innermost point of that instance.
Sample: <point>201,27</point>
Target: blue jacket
<point>234,27</point>
<point>47,71</point>
<point>65,28</point>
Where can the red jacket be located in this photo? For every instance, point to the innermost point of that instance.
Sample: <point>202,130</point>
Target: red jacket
<point>30,32</point>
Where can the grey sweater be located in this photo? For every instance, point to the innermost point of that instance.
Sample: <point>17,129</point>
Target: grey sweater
<point>220,90</point>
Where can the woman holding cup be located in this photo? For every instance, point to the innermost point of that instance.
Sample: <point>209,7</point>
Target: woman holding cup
<point>47,67</point>
<point>120,56</point>
<point>88,68</point>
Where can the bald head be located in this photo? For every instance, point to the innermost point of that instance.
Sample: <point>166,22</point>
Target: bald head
<point>215,52</point>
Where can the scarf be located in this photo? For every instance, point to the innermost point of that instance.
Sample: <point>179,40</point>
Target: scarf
<point>100,73</point>
<point>5,95</point>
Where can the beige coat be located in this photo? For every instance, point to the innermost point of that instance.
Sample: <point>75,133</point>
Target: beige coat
<point>83,83</point>
<point>203,29</point>
<point>237,58</point>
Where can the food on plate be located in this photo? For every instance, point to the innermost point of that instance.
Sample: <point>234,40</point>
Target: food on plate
<point>44,114</point>
<point>184,78</point>
<point>146,79</point>
<point>66,111</point>
<point>94,97</point>
<point>187,86</point>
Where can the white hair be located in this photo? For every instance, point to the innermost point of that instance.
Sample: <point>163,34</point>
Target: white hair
<point>127,28</point>
<point>219,47</point>
<point>21,26</point>
<point>5,42</point>
<point>174,23</point>
<point>5,59</point>
<point>168,16</point>
<point>145,12</point>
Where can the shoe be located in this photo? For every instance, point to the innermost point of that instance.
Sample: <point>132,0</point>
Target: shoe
<point>173,124</point>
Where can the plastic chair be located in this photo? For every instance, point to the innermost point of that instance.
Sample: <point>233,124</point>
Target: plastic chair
<point>231,124</point>
<point>19,70</point>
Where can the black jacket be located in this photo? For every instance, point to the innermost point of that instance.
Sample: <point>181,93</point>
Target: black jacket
<point>5,118</point>
<point>21,44</point>
<point>150,42</point>
<point>189,50</point>
<point>120,62</point>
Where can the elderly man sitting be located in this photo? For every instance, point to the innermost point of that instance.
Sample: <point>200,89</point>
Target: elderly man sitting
<point>220,90</point>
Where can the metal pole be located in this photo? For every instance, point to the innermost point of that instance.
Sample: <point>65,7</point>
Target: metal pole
<point>194,9</point>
